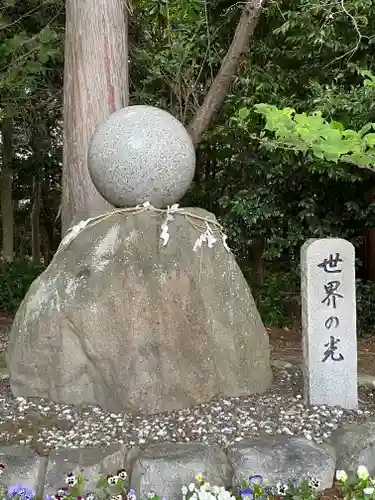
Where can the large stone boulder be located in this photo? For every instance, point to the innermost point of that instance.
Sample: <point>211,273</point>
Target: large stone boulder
<point>121,321</point>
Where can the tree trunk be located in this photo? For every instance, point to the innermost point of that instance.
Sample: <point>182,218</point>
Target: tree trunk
<point>46,245</point>
<point>227,72</point>
<point>6,190</point>
<point>35,222</point>
<point>95,85</point>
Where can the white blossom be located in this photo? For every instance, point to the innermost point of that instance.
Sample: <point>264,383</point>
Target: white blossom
<point>368,491</point>
<point>224,495</point>
<point>341,476</point>
<point>362,472</point>
<point>215,490</point>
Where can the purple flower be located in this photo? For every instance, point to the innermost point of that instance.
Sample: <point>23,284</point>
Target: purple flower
<point>269,490</point>
<point>247,494</point>
<point>131,494</point>
<point>20,491</point>
<point>255,480</point>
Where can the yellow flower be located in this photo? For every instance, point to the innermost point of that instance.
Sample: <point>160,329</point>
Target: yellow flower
<point>362,472</point>
<point>199,478</point>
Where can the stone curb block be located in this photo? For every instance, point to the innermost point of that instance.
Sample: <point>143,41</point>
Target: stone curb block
<point>355,445</point>
<point>282,459</point>
<point>23,466</point>
<point>165,467</point>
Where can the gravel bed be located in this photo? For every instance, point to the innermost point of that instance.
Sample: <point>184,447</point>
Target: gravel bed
<point>45,425</point>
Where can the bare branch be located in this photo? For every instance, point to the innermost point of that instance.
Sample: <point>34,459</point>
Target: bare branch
<point>227,72</point>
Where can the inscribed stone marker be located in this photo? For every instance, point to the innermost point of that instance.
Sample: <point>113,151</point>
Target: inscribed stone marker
<point>329,322</point>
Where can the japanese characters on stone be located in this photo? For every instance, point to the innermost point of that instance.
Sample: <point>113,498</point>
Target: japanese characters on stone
<point>332,265</point>
<point>328,317</point>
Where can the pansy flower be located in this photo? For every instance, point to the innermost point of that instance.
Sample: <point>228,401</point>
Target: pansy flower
<point>362,472</point>
<point>22,492</point>
<point>112,480</point>
<point>247,494</point>
<point>313,483</point>
<point>131,494</point>
<point>281,489</point>
<point>62,492</point>
<point>70,480</point>
<point>122,474</point>
<point>256,479</point>
<point>341,476</point>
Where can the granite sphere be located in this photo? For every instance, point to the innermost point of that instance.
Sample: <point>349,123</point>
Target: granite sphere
<point>141,153</point>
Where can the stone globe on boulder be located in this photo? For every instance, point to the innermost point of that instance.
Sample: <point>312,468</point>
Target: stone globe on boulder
<point>139,154</point>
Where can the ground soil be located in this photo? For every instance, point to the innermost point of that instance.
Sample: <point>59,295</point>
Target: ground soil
<point>286,345</point>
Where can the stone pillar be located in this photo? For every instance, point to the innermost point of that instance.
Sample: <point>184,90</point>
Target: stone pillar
<point>329,322</point>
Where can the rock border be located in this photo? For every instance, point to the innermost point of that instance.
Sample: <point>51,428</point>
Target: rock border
<point>166,467</point>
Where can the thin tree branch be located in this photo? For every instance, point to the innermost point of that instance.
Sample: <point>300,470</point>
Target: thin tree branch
<point>227,72</point>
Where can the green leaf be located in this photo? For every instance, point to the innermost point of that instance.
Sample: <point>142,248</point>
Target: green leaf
<point>370,140</point>
<point>243,113</point>
<point>337,125</point>
<point>366,128</point>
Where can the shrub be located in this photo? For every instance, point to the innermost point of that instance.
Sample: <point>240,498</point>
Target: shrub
<point>15,280</point>
<point>365,307</point>
<point>279,298</point>
<point>279,301</point>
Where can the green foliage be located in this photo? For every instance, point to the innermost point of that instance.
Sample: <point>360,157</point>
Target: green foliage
<point>312,133</point>
<point>327,140</point>
<point>365,291</point>
<point>30,44</point>
<point>279,298</point>
<point>176,49</point>
<point>15,281</point>
<point>307,57</point>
